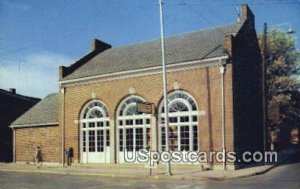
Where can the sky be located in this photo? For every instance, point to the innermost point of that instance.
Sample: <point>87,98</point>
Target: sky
<point>37,36</point>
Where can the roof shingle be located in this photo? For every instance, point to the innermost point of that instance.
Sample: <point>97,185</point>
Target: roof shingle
<point>44,112</point>
<point>198,45</point>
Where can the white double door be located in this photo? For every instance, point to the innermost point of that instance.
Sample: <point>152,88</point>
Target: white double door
<point>132,139</point>
<point>95,145</point>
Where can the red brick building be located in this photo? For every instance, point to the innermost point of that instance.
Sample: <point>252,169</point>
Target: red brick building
<point>209,72</point>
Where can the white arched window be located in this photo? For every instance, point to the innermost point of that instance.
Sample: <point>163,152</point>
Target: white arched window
<point>183,122</point>
<point>133,127</point>
<point>95,139</point>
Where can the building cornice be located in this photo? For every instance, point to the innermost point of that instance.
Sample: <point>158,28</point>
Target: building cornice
<point>144,72</point>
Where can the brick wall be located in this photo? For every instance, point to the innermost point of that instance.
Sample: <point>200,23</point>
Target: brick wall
<point>202,83</point>
<point>48,138</point>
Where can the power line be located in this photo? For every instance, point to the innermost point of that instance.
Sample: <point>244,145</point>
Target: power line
<point>183,3</point>
<point>266,2</point>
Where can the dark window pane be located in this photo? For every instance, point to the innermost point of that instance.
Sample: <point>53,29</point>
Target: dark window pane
<point>163,139</point>
<point>121,139</point>
<point>139,121</point>
<point>173,134</point>
<point>107,137</point>
<point>91,125</point>
<point>184,138</point>
<point>129,139</point>
<point>139,138</point>
<point>84,141</point>
<point>148,134</point>
<point>100,124</point>
<point>129,122</point>
<point>195,138</point>
<point>194,118</point>
<point>147,121</point>
<point>100,139</point>
<point>184,119</point>
<point>92,141</point>
<point>173,119</point>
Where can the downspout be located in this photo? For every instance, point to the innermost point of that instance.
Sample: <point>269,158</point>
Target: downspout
<point>63,127</point>
<point>222,71</point>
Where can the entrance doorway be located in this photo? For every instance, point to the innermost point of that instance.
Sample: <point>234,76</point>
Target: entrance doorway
<point>94,135</point>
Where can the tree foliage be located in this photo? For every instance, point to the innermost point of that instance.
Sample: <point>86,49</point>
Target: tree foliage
<point>282,69</point>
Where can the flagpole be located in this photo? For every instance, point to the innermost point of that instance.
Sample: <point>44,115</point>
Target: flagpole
<point>168,164</point>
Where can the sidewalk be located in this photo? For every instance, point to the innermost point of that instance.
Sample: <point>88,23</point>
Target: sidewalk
<point>138,171</point>
<point>135,171</point>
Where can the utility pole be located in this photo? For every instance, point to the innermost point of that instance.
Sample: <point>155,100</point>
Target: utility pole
<point>168,165</point>
<point>264,84</point>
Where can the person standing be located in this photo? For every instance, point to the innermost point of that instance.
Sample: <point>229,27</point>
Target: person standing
<point>38,157</point>
<point>69,154</point>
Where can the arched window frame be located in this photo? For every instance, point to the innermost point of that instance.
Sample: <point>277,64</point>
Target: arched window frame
<point>92,106</point>
<point>125,122</point>
<point>90,126</point>
<point>175,119</point>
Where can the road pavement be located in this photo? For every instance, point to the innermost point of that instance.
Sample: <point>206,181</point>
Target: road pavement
<point>282,177</point>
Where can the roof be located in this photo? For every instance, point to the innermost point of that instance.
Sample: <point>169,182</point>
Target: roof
<point>15,95</point>
<point>198,45</point>
<point>43,113</point>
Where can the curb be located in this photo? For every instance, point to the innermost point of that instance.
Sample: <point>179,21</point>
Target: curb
<point>230,178</point>
<point>259,172</point>
<point>154,177</point>
<point>71,173</point>
<point>278,164</point>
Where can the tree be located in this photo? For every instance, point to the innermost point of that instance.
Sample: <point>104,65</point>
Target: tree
<point>282,87</point>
